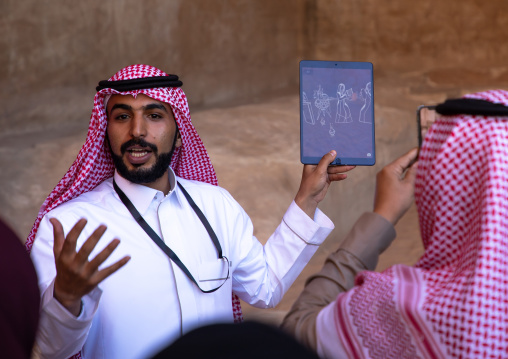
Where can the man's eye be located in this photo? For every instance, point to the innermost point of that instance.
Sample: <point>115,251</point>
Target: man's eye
<point>155,116</point>
<point>121,117</point>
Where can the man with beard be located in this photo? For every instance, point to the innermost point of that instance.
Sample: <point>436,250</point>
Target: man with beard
<point>144,173</point>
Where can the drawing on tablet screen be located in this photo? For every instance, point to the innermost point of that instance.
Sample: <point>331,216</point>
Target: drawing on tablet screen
<point>322,102</point>
<point>366,96</point>
<point>308,115</point>
<point>337,112</point>
<point>343,112</point>
<point>331,131</point>
<point>348,106</point>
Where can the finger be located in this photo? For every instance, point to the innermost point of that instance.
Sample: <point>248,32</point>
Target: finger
<point>106,272</point>
<point>103,255</point>
<point>325,161</point>
<point>69,245</point>
<point>339,169</point>
<point>411,173</point>
<point>90,243</point>
<point>410,156</point>
<point>404,161</point>
<point>337,177</point>
<point>58,236</point>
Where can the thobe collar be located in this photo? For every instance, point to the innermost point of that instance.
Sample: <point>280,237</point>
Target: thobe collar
<point>142,196</point>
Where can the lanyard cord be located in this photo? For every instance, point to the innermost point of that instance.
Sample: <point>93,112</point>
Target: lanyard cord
<point>155,237</point>
<point>203,220</point>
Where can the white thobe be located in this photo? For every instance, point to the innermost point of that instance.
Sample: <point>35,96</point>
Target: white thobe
<point>150,302</point>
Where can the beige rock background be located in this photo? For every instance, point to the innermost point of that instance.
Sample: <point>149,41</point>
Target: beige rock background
<point>239,63</point>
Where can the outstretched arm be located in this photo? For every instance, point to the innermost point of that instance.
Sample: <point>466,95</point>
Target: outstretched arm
<point>369,237</point>
<point>76,275</point>
<point>316,180</point>
<point>302,229</point>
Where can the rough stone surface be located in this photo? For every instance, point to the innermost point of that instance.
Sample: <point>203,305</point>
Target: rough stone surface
<point>224,50</point>
<point>411,34</point>
<point>239,62</point>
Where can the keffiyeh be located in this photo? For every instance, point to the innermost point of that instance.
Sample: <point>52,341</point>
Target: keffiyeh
<point>454,301</point>
<point>94,163</point>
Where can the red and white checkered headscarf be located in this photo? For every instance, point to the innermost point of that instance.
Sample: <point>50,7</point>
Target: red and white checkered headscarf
<point>454,301</point>
<point>94,163</point>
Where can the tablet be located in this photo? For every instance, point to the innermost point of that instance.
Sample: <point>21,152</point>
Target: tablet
<point>337,112</point>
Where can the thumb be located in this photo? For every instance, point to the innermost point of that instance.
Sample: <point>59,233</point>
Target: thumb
<point>411,173</point>
<point>326,160</point>
<point>403,163</point>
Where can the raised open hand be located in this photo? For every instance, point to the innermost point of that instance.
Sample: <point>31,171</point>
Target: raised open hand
<point>76,275</point>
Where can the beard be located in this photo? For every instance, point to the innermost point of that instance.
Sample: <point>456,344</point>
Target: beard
<point>142,175</point>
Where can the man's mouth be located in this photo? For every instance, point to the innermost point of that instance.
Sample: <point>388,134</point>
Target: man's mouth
<point>137,155</point>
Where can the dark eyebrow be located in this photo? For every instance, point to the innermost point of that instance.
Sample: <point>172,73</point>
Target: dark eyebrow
<point>120,105</point>
<point>147,107</point>
<point>156,106</point>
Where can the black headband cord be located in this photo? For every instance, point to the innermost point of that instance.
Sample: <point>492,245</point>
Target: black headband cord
<point>141,83</point>
<point>469,106</point>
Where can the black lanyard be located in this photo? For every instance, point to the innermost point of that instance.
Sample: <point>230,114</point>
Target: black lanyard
<point>155,237</point>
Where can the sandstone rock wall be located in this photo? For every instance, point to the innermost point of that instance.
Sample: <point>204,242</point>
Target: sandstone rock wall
<point>224,50</point>
<point>236,58</point>
<point>410,35</point>
<point>228,51</point>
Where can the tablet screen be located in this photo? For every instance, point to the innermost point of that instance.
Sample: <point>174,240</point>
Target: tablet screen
<point>337,112</point>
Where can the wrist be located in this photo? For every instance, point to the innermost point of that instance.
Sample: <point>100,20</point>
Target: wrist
<point>73,305</point>
<point>308,206</point>
<point>387,214</point>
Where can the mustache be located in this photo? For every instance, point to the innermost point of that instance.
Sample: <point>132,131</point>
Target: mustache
<point>138,142</point>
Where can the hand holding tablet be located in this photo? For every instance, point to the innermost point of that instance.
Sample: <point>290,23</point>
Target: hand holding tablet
<point>337,112</point>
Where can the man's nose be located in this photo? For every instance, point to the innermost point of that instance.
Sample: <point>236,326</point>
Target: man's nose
<point>138,126</point>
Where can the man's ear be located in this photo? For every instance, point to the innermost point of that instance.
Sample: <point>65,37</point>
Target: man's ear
<point>178,141</point>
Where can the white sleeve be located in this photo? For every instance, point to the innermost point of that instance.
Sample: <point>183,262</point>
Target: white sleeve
<point>60,333</point>
<point>264,274</point>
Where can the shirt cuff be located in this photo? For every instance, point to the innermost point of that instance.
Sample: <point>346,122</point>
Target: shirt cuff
<point>53,308</point>
<point>310,231</point>
<point>369,237</point>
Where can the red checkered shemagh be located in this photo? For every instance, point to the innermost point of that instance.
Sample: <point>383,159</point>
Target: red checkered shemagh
<point>454,301</point>
<point>94,164</point>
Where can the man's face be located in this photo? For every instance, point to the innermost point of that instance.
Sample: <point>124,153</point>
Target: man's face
<point>141,132</point>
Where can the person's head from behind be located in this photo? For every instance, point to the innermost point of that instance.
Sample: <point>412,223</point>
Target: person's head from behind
<point>461,196</point>
<point>20,301</point>
<point>142,135</point>
<point>247,340</point>
<point>460,168</point>
<point>455,294</point>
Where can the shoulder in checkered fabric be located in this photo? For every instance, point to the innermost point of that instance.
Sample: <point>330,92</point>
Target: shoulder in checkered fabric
<point>453,302</point>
